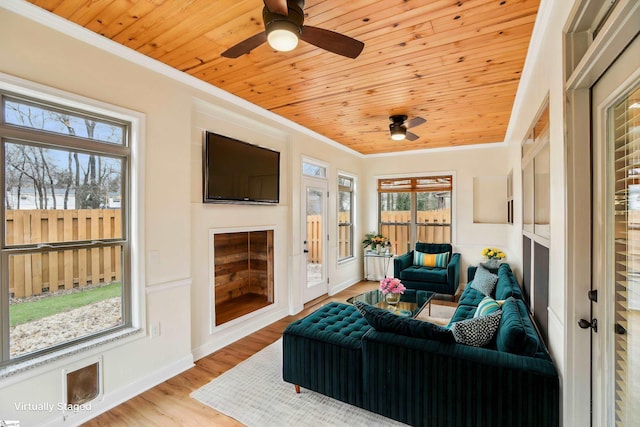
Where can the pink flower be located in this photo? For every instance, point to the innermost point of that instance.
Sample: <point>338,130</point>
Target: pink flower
<point>391,285</point>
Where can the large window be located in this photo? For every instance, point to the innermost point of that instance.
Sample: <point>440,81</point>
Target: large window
<point>65,270</point>
<point>415,210</point>
<point>345,217</point>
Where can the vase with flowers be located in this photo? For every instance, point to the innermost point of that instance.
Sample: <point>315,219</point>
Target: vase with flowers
<point>376,241</point>
<point>392,288</point>
<point>494,257</point>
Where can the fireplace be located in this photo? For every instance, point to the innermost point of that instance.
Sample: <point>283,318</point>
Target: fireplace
<point>242,273</point>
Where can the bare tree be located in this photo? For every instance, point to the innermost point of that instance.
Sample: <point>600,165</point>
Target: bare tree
<point>90,176</point>
<point>14,178</point>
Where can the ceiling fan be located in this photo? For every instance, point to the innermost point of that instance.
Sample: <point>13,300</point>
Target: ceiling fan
<point>400,124</point>
<point>283,23</point>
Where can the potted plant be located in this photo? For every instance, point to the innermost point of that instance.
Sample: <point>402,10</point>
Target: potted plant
<point>494,257</point>
<point>392,288</point>
<point>376,241</point>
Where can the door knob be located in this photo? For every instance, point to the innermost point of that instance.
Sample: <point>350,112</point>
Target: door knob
<point>585,324</point>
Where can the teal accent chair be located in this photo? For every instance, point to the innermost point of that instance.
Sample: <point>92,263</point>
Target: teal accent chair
<point>433,279</point>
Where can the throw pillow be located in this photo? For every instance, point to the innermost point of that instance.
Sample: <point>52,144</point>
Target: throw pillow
<point>477,331</point>
<point>431,260</point>
<point>487,306</point>
<point>484,281</point>
<point>517,334</point>
<point>385,321</point>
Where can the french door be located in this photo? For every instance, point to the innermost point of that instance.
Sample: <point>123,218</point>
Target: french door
<point>615,323</point>
<point>315,238</point>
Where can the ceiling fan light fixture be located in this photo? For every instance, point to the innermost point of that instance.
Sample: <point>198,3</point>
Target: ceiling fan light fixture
<point>283,35</point>
<point>398,132</point>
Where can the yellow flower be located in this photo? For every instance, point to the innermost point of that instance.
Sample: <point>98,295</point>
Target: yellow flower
<point>493,253</point>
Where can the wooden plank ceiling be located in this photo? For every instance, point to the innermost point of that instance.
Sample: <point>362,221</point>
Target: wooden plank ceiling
<point>455,63</point>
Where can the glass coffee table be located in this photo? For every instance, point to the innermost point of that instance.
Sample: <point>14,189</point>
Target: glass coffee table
<point>411,303</point>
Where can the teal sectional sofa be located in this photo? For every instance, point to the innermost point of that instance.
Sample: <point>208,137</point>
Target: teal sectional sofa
<point>415,372</point>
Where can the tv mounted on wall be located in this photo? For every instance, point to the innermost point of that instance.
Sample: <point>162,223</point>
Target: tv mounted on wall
<point>239,172</point>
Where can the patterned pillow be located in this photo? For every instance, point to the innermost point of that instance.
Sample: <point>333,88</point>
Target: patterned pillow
<point>431,260</point>
<point>385,321</point>
<point>484,281</point>
<point>487,306</point>
<point>477,331</point>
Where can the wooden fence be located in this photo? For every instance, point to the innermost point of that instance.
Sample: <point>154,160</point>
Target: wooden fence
<point>314,239</point>
<point>433,227</point>
<point>35,273</point>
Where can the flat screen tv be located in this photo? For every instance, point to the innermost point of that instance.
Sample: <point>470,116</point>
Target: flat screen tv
<point>239,172</point>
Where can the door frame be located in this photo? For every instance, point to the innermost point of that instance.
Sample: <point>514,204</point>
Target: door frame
<point>583,71</point>
<point>308,181</point>
<point>615,88</point>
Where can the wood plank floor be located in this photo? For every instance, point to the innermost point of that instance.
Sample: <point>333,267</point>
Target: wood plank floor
<point>169,403</point>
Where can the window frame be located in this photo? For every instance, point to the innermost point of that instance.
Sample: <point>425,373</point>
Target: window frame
<point>412,185</point>
<point>130,155</point>
<point>351,223</point>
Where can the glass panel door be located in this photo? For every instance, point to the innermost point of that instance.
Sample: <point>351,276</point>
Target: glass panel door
<point>315,238</point>
<point>616,243</point>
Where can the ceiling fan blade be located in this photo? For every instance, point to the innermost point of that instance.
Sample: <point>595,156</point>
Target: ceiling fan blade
<point>411,136</point>
<point>332,41</point>
<point>245,46</point>
<point>277,6</point>
<point>416,121</point>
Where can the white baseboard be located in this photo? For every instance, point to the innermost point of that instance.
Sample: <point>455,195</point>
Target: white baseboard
<point>342,286</point>
<point>223,337</point>
<point>115,398</point>
<point>296,309</point>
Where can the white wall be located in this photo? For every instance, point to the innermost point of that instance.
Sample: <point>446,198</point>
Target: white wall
<point>544,65</point>
<point>41,55</point>
<point>286,217</point>
<point>465,163</point>
<point>176,223</point>
<point>206,115</point>
<point>174,294</point>
<point>543,76</point>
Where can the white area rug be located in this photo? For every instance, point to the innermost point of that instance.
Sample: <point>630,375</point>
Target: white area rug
<point>440,314</point>
<point>255,394</point>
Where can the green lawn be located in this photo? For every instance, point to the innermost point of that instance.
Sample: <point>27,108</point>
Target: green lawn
<point>29,311</point>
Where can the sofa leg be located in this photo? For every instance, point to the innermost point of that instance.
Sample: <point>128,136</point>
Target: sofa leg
<point>453,298</point>
<point>297,388</point>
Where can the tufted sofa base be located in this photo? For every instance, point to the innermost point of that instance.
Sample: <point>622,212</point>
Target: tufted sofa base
<point>423,381</point>
<point>323,352</point>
